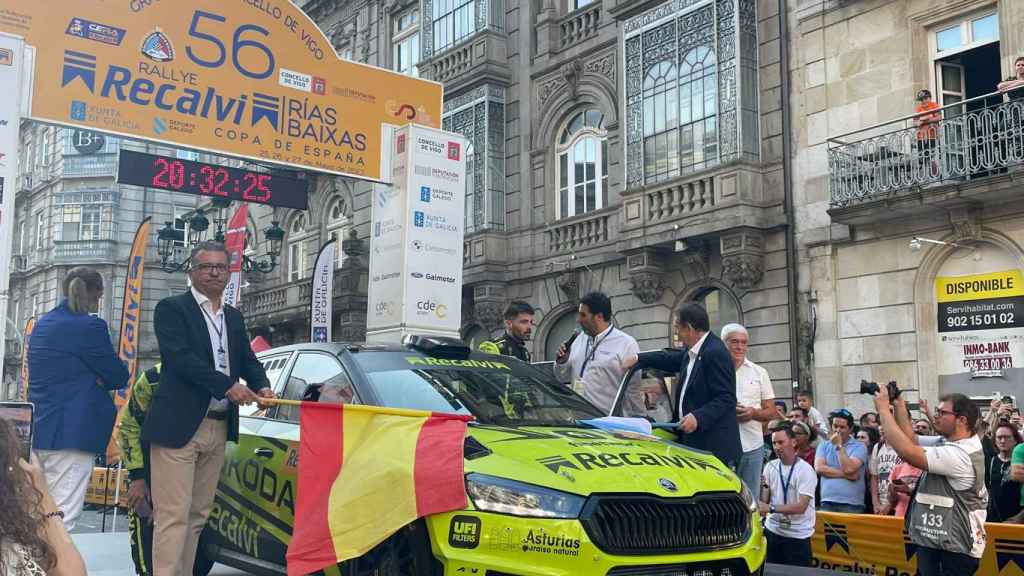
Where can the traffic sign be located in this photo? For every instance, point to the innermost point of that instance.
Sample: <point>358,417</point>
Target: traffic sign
<point>255,80</point>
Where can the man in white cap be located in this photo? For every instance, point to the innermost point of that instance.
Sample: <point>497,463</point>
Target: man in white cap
<point>754,404</point>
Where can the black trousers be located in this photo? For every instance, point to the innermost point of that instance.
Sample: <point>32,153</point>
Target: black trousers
<point>789,551</point>
<point>935,562</point>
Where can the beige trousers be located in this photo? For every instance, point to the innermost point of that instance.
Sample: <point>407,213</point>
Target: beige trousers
<point>184,481</point>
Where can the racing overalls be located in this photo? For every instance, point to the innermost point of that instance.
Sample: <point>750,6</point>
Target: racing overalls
<point>507,345</point>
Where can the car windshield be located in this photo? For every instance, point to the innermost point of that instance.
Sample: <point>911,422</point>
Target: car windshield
<point>495,390</point>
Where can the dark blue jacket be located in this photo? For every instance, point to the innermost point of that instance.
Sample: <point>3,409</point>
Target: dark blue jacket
<point>71,369</point>
<point>710,396</point>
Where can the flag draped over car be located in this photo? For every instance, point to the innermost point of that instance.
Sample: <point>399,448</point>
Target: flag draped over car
<point>365,472</point>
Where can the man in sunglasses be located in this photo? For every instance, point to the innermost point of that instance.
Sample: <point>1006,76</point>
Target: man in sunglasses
<point>840,462</point>
<point>946,516</point>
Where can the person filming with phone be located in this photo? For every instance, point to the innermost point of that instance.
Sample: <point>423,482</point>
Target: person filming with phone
<point>33,539</point>
<point>947,513</point>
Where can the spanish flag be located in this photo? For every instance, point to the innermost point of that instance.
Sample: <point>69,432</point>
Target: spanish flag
<point>364,473</point>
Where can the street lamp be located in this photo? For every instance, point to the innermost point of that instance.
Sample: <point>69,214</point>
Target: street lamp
<point>198,224</point>
<point>916,244</point>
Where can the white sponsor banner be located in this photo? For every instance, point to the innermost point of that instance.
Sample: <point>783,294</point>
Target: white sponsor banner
<point>321,301</point>
<point>416,241</point>
<point>11,78</point>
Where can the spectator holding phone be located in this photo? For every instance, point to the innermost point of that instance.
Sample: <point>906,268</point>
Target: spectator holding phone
<point>33,540</point>
<point>72,368</point>
<point>1003,490</point>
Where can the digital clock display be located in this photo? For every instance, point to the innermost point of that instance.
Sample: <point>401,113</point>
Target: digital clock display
<point>188,177</point>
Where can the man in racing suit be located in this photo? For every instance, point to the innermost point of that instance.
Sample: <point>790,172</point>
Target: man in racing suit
<point>518,325</point>
<point>135,457</point>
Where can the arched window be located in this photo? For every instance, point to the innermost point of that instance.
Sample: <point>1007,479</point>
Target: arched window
<point>661,122</point>
<point>698,125</point>
<point>297,235</point>
<point>680,115</point>
<point>583,165</point>
<point>337,228</point>
<point>563,327</point>
<point>722,308</point>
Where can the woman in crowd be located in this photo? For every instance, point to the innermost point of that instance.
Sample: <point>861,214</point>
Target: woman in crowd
<point>804,439</point>
<point>869,437</point>
<point>902,482</point>
<point>1003,492</point>
<point>883,460</point>
<point>72,369</point>
<point>33,541</point>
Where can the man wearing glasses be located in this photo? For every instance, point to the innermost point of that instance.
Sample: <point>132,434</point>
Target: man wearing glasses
<point>840,462</point>
<point>204,354</point>
<point>946,517</point>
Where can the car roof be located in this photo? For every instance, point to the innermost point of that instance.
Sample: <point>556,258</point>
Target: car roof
<point>337,347</point>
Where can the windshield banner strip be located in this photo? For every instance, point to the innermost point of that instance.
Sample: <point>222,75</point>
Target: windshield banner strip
<point>373,409</point>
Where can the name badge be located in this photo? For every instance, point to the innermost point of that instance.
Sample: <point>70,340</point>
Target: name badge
<point>222,359</point>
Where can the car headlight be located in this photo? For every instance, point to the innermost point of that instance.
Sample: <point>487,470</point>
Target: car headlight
<point>748,497</point>
<point>505,496</point>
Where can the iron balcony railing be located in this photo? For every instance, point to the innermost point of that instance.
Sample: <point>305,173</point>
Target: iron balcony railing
<point>975,138</point>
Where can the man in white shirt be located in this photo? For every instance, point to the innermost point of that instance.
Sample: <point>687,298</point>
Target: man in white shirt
<point>594,363</point>
<point>754,396</point>
<point>946,518</point>
<point>787,501</point>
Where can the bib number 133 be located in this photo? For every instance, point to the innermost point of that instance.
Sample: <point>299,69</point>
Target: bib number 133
<point>931,520</point>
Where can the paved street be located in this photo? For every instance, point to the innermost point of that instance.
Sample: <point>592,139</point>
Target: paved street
<point>107,553</point>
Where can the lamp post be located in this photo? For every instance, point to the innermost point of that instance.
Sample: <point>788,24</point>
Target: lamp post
<point>198,224</point>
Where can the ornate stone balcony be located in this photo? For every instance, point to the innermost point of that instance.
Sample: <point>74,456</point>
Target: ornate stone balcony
<point>588,231</point>
<point>898,170</point>
<point>579,25</point>
<point>710,202</point>
<point>476,60</point>
<point>83,251</point>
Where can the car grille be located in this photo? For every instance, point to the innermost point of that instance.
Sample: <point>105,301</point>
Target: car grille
<point>647,525</point>
<point>734,567</point>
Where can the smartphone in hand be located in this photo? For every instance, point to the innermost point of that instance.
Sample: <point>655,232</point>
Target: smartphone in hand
<point>21,415</point>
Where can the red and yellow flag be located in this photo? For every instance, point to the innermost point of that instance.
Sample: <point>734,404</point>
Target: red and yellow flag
<point>365,472</point>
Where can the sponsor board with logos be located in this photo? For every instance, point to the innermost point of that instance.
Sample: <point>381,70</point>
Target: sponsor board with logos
<point>417,230</point>
<point>255,80</point>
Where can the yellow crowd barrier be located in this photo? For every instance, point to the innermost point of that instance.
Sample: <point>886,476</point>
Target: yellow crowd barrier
<point>865,544</point>
<point>101,489</point>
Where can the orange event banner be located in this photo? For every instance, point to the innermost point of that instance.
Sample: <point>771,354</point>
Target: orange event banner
<point>255,80</point>
<point>866,544</point>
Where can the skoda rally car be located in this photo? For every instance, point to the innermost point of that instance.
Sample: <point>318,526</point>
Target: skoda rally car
<point>547,495</point>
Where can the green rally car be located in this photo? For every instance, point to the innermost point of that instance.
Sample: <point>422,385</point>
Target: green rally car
<point>547,495</point>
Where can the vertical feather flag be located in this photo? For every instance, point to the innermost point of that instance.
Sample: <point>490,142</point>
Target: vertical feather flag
<point>321,298</point>
<point>23,388</point>
<point>131,312</point>
<point>234,241</point>
<point>365,472</point>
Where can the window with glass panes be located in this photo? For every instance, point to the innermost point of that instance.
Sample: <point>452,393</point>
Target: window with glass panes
<point>453,21</point>
<point>583,165</point>
<point>337,230</point>
<point>296,249</point>
<point>406,41</point>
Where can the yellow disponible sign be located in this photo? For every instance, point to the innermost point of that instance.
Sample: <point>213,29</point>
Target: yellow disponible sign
<point>247,78</point>
<point>979,286</point>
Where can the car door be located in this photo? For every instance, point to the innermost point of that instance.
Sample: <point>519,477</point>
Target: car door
<point>234,524</point>
<point>269,458</point>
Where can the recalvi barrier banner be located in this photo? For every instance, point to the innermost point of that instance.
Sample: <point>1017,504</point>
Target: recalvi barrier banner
<point>866,544</point>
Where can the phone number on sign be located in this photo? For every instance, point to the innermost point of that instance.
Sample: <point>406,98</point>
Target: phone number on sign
<point>993,363</point>
<point>1000,319</point>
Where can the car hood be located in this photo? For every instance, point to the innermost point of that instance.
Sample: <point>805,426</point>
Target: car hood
<point>584,461</point>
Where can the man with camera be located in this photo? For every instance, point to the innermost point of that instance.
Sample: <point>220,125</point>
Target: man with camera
<point>946,517</point>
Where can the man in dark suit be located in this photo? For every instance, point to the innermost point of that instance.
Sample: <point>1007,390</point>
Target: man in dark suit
<point>704,395</point>
<point>204,352</point>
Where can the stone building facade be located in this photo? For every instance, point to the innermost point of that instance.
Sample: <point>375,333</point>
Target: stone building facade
<point>70,211</point>
<point>864,189</point>
<point>629,146</point>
